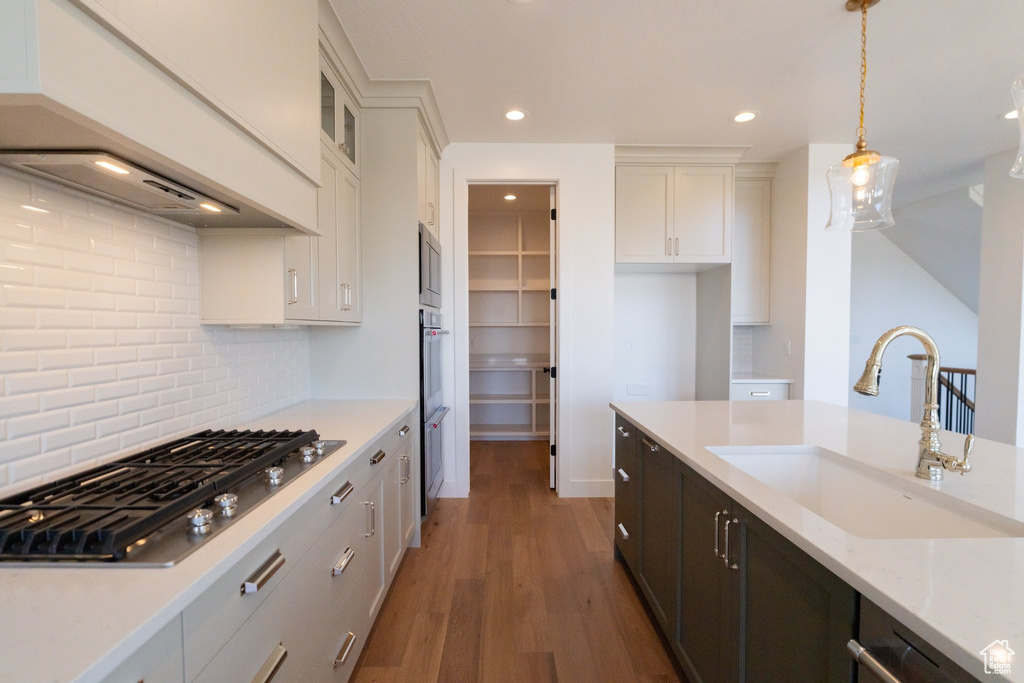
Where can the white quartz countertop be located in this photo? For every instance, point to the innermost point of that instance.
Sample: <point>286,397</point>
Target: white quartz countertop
<point>63,623</point>
<point>755,378</point>
<point>958,594</point>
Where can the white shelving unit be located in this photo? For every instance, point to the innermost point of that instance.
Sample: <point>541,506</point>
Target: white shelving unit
<point>509,305</point>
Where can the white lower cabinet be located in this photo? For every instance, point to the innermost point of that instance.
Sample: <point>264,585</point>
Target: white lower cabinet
<point>158,661</point>
<point>322,577</point>
<point>762,391</point>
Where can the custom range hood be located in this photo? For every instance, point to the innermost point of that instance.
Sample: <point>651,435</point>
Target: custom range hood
<point>117,179</point>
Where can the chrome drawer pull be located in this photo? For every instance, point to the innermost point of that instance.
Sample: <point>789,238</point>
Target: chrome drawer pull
<point>408,468</point>
<point>760,393</point>
<point>653,446</point>
<point>725,555</point>
<point>622,530</point>
<point>263,574</point>
<point>272,664</point>
<point>373,518</point>
<point>350,640</point>
<point>718,553</point>
<point>340,568</point>
<point>377,457</point>
<point>623,475</point>
<point>403,431</point>
<point>342,493</point>
<point>622,431</point>
<point>863,656</point>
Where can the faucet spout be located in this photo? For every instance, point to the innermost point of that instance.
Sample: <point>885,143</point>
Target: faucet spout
<point>931,460</point>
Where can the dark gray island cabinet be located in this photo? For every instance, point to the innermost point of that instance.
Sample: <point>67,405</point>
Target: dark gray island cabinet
<point>734,598</point>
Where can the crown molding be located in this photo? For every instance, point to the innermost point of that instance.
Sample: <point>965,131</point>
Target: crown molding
<point>679,154</point>
<point>755,170</point>
<point>380,94</point>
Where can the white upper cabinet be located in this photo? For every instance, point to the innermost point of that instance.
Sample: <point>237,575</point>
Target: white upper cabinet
<point>673,214</point>
<point>426,182</point>
<point>254,62</point>
<point>751,262</point>
<point>338,216</point>
<point>339,119</point>
<point>644,214</point>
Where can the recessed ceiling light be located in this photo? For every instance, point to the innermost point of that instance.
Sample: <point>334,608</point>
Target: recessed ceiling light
<point>745,116</point>
<point>34,208</point>
<point>210,207</point>
<point>1011,114</point>
<point>515,114</point>
<point>112,167</point>
<point>510,197</point>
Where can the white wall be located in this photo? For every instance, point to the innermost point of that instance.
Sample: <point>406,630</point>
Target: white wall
<point>788,277</point>
<point>714,334</point>
<point>888,289</point>
<point>655,336</point>
<point>810,282</point>
<point>585,177</point>
<point>102,350</point>
<point>1000,316</point>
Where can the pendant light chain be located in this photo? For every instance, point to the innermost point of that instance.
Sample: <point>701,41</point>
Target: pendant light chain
<point>861,131</point>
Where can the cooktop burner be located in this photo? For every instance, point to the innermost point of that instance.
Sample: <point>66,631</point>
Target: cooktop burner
<point>155,507</point>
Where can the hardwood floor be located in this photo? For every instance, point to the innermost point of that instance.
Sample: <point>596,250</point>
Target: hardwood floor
<point>514,584</point>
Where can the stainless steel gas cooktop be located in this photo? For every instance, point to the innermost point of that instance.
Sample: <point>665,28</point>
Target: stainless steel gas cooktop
<point>154,508</point>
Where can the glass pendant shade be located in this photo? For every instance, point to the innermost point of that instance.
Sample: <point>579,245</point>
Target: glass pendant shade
<point>862,194</point>
<point>1018,99</point>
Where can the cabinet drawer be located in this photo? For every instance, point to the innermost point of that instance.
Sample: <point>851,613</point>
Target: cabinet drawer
<point>212,618</point>
<point>335,655</point>
<point>392,442</point>
<point>759,392</point>
<point>158,661</point>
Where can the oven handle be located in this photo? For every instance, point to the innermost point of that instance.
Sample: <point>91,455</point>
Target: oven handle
<point>434,423</point>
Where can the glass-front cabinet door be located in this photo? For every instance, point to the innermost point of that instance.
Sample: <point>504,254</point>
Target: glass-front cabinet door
<point>339,117</point>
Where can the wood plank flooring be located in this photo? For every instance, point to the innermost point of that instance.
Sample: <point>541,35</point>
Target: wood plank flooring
<point>514,584</point>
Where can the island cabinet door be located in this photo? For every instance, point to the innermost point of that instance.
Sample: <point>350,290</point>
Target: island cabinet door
<point>627,482</point>
<point>659,532</point>
<point>705,641</point>
<point>794,616</point>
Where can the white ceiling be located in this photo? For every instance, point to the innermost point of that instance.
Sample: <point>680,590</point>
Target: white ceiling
<point>677,71</point>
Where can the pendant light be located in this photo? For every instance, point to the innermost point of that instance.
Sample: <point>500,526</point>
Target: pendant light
<point>861,185</point>
<point>1018,99</point>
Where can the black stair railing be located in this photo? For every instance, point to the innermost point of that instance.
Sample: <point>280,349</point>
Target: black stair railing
<point>956,397</point>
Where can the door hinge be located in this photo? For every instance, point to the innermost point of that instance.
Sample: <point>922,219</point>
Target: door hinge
<point>553,450</point>
<point>553,372</point>
<point>553,294</point>
<point>554,215</point>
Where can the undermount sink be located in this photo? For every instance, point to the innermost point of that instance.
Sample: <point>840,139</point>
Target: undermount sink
<point>862,500</point>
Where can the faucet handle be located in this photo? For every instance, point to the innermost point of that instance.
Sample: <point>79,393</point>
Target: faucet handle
<point>963,465</point>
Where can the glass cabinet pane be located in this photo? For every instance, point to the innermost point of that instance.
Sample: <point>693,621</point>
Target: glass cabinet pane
<point>327,107</point>
<point>350,136</point>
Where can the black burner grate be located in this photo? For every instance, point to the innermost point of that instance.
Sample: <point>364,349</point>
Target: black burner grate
<point>98,514</point>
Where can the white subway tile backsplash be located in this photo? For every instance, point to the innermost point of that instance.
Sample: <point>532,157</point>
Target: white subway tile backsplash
<point>38,423</point>
<point>31,297</point>
<point>15,340</point>
<point>51,400</point>
<point>103,353</point>
<point>35,382</point>
<point>65,358</point>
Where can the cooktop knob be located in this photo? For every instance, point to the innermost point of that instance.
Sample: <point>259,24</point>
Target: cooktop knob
<point>308,453</point>
<point>275,474</point>
<point>199,520</point>
<point>319,445</point>
<point>226,504</point>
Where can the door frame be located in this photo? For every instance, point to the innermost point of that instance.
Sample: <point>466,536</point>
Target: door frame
<point>458,300</point>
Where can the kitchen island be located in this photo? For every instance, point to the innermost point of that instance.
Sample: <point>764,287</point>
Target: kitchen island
<point>959,594</point>
<point>63,622</point>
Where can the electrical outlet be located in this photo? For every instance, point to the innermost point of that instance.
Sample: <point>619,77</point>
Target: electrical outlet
<point>789,348</point>
<point>630,346</point>
<point>637,390</point>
